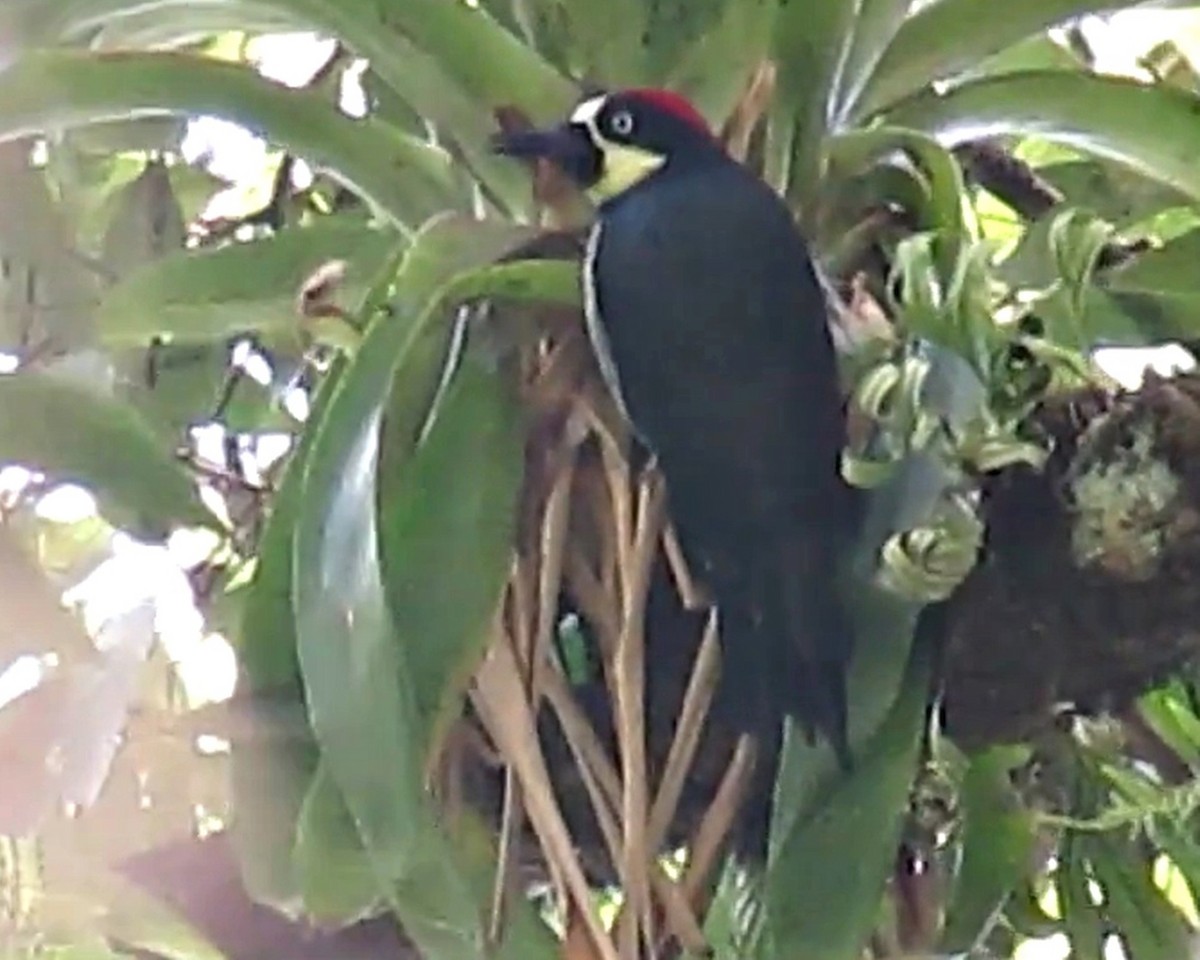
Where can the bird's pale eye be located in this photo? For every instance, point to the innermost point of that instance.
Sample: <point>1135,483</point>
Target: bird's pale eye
<point>621,123</point>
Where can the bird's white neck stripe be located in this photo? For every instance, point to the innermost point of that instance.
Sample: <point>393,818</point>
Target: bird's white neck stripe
<point>595,327</point>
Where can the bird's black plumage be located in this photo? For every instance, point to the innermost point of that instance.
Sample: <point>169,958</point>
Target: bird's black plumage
<point>707,309</point>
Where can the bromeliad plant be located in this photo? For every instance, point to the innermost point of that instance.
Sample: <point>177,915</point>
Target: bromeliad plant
<point>460,482</point>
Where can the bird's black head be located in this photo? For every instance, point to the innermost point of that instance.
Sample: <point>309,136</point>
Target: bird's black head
<point>614,141</point>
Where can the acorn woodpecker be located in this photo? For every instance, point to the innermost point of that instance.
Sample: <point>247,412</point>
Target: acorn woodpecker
<point>709,323</point>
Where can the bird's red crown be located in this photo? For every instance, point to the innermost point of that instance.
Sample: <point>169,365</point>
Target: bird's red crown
<point>669,102</point>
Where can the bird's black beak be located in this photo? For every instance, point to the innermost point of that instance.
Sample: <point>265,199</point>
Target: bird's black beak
<point>567,146</point>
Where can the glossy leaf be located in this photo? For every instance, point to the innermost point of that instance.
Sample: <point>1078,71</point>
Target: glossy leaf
<point>1153,928</point>
<point>951,36</point>
<point>358,678</point>
<point>337,883</point>
<point>51,91</point>
<point>271,774</point>
<point>1109,117</point>
<point>608,40</point>
<point>875,25</point>
<point>1110,191</point>
<point>1164,272</point>
<point>808,40</point>
<point>1081,917</point>
<point>147,222</point>
<point>77,435</point>
<point>448,479</point>
<point>826,882</point>
<point>210,295</point>
<point>455,509</point>
<point>997,851</point>
<point>452,63</point>
<point>853,152</point>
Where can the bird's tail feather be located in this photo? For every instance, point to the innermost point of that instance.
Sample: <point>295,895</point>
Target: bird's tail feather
<point>814,637</point>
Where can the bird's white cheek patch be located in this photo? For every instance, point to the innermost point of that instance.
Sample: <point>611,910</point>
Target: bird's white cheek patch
<point>587,112</point>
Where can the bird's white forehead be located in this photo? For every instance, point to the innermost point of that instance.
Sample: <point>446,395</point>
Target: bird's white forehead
<point>586,112</point>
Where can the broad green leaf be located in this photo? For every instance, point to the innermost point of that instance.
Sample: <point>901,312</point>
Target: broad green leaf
<point>47,294</point>
<point>949,37</point>
<point>855,151</point>
<point>875,25</point>
<point>358,681</point>
<point>1148,923</point>
<point>1166,272</point>
<point>337,883</point>
<point>134,23</point>
<point>1081,918</point>
<point>175,387</point>
<point>1108,117</point>
<point>147,222</point>
<point>155,135</point>
<point>452,63</point>
<point>1110,191</point>
<point>271,774</point>
<point>49,91</point>
<point>449,502</point>
<point>210,295</point>
<point>490,63</point>
<point>1038,52</point>
<point>825,884</point>
<point>76,435</point>
<point>808,42</point>
<point>609,40</point>
<point>453,509</point>
<point>997,848</point>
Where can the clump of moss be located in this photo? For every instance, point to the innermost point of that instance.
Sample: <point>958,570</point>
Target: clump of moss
<point>1123,503</point>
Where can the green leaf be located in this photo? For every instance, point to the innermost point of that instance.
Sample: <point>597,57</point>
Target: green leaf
<point>447,482</point>
<point>271,774</point>
<point>952,36</point>
<point>77,435</point>
<point>1148,923</point>
<point>609,40</point>
<point>49,91</point>
<point>491,64</point>
<point>210,295</point>
<point>134,23</point>
<point>825,885</point>
<point>808,43</point>
<point>853,152</point>
<point>47,293</point>
<point>1110,191</point>
<point>1108,117</point>
<point>1080,916</point>
<point>875,25</point>
<point>1163,272</point>
<point>453,509</point>
<point>147,222</point>
<point>1168,714</point>
<point>452,63</point>
<point>360,692</point>
<point>997,848</point>
<point>336,880</point>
